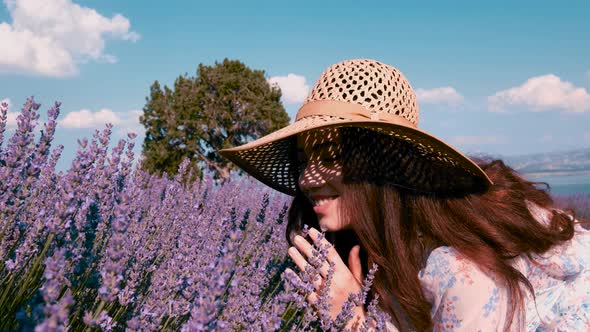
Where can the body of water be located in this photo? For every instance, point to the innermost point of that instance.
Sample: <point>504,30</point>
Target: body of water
<point>568,189</point>
<point>565,185</point>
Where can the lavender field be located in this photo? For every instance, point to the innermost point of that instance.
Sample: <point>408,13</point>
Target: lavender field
<point>103,246</point>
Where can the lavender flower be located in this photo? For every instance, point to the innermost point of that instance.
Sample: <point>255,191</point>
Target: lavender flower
<point>3,120</point>
<point>57,305</point>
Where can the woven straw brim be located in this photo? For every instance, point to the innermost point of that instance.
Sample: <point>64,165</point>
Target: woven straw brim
<point>433,166</point>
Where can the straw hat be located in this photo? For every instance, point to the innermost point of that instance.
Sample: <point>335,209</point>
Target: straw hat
<point>374,97</point>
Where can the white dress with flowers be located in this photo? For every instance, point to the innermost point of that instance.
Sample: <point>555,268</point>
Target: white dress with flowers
<point>466,299</point>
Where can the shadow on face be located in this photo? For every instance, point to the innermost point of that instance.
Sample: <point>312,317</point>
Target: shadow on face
<point>319,158</point>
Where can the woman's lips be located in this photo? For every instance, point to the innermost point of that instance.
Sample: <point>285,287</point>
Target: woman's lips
<point>322,204</point>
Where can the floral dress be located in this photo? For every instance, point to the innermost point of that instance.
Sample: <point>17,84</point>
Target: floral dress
<point>466,299</point>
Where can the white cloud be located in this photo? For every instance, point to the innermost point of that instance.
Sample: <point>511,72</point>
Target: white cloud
<point>52,37</point>
<point>86,119</point>
<point>542,93</point>
<point>445,95</point>
<point>11,119</point>
<point>477,140</point>
<point>293,87</point>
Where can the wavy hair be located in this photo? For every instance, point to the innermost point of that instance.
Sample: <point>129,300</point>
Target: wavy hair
<point>397,229</point>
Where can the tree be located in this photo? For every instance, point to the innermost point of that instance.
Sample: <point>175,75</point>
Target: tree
<point>225,105</point>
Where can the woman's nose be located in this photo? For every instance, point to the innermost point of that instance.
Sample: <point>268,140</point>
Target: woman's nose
<point>317,174</point>
<point>312,177</point>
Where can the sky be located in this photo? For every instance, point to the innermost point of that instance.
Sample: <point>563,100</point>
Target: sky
<point>496,77</point>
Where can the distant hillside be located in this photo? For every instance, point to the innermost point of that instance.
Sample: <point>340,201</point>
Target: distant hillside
<point>555,163</point>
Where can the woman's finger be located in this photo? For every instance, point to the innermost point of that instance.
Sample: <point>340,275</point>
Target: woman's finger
<point>307,249</point>
<point>302,263</point>
<point>354,263</point>
<point>332,253</point>
<point>312,298</point>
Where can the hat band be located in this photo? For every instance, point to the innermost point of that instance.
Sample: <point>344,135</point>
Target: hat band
<point>352,111</point>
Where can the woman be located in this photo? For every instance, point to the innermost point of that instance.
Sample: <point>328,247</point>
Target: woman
<point>460,246</point>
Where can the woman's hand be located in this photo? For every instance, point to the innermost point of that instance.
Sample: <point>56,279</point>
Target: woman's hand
<point>344,282</point>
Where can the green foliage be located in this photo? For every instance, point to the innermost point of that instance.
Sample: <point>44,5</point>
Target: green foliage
<point>225,105</point>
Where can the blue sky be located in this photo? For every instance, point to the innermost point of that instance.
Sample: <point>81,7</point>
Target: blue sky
<point>500,77</point>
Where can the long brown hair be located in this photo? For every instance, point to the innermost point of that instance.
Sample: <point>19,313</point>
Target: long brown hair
<point>397,229</point>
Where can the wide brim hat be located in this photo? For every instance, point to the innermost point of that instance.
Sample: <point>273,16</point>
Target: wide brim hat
<point>367,94</point>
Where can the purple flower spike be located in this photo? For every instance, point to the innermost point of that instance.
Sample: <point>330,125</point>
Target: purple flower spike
<point>57,307</point>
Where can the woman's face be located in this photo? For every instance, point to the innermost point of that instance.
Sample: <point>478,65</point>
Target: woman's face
<point>320,175</point>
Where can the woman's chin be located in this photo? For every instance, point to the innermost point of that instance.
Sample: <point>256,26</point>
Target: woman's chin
<point>323,226</point>
<point>328,225</point>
